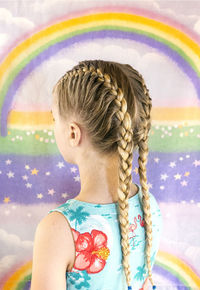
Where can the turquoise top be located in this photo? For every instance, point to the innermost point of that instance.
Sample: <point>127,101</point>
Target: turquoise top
<point>96,233</point>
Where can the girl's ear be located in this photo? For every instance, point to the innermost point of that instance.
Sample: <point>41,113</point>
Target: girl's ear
<point>74,134</point>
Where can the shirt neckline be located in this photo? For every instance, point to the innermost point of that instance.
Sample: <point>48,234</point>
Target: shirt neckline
<point>106,205</point>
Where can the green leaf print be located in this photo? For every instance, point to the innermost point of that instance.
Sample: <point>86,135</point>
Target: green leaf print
<point>140,273</point>
<point>78,215</point>
<point>83,276</point>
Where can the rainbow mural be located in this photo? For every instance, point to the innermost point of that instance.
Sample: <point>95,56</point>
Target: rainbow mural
<point>48,41</point>
<point>175,266</point>
<point>179,43</point>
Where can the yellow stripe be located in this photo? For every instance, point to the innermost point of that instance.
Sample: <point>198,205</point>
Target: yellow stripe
<point>18,276</point>
<point>29,118</point>
<point>17,119</point>
<point>180,267</point>
<point>118,19</point>
<point>176,114</point>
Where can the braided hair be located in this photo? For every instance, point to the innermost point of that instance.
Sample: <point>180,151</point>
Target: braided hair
<point>113,104</point>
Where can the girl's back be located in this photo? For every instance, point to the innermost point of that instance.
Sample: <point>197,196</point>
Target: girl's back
<point>102,114</point>
<point>96,233</point>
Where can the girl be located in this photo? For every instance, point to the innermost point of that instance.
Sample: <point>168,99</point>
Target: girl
<point>108,236</point>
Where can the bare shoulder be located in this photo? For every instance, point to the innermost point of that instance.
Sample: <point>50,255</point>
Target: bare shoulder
<point>54,234</point>
<point>53,249</point>
<point>57,228</point>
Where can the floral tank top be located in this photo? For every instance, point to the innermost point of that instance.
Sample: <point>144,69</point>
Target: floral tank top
<point>96,233</point>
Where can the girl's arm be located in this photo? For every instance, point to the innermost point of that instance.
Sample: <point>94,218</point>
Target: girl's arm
<point>53,250</point>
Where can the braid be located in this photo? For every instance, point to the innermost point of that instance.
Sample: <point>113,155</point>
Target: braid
<point>89,84</point>
<point>125,148</point>
<point>142,161</point>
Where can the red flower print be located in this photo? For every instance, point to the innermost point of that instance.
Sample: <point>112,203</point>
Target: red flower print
<point>91,251</point>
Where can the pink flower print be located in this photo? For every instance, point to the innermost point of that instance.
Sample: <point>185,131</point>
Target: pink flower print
<point>91,251</point>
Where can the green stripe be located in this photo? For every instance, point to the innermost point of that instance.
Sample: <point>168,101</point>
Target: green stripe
<point>32,146</point>
<point>21,285</point>
<point>173,272</point>
<point>13,73</point>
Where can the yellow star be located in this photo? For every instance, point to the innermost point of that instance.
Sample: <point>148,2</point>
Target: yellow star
<point>6,199</point>
<point>187,173</point>
<point>34,171</point>
<point>37,136</point>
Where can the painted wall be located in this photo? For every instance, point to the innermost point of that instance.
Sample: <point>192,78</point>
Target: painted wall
<point>39,41</point>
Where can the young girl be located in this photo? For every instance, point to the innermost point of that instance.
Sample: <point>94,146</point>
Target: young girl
<point>107,237</point>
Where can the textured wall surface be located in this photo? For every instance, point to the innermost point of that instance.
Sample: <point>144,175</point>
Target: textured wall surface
<point>39,41</point>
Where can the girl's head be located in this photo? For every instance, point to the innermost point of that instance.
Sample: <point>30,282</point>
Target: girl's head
<point>111,103</point>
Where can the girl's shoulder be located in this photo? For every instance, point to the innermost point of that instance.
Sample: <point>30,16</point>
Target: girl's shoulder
<point>57,231</point>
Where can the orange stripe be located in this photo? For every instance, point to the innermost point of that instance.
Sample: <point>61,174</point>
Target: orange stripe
<point>18,276</point>
<point>23,119</point>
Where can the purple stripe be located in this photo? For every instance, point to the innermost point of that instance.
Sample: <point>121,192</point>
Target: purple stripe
<point>174,281</point>
<point>52,50</point>
<point>63,180</point>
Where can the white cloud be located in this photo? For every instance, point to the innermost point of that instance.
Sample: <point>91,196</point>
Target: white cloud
<point>6,263</point>
<point>14,242</point>
<point>193,254</point>
<point>13,251</point>
<point>168,84</point>
<point>12,27</point>
<point>8,20</point>
<point>163,77</point>
<point>197,26</point>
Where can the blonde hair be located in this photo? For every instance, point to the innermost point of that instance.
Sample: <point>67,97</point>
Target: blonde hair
<point>114,107</point>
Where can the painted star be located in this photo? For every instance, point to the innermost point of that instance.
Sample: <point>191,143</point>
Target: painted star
<point>48,173</point>
<point>177,176</point>
<point>149,185</point>
<point>196,163</point>
<point>51,191</point>
<point>181,158</point>
<point>40,195</point>
<point>184,183</point>
<point>27,167</point>
<point>60,164</point>
<point>34,171</point>
<point>8,161</point>
<point>164,176</point>
<point>6,199</point>
<point>187,173</point>
<point>156,160</point>
<point>28,185</point>
<point>162,187</point>
<point>10,174</point>
<point>25,177</point>
<point>73,169</point>
<point>77,178</point>
<point>172,164</point>
<point>64,195</point>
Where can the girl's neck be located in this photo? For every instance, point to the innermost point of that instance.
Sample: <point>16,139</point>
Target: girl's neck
<point>101,198</point>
